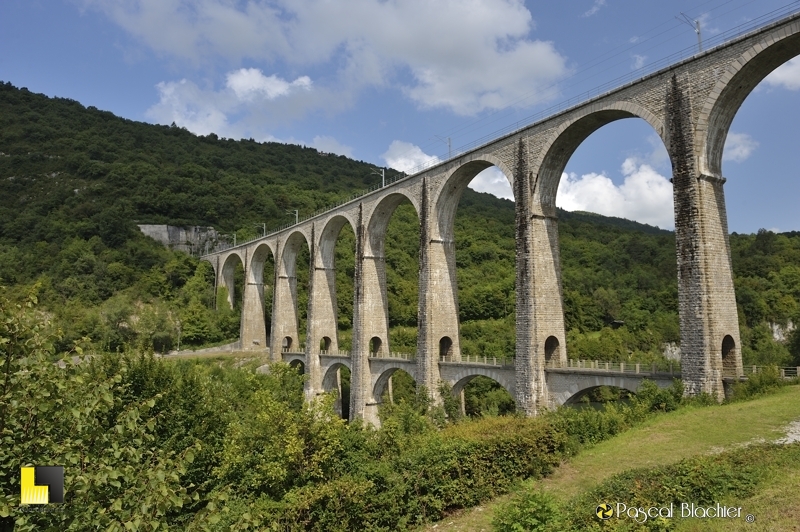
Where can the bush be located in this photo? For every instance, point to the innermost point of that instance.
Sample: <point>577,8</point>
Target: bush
<point>531,511</point>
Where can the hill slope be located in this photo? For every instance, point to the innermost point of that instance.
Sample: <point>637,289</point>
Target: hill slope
<point>74,181</point>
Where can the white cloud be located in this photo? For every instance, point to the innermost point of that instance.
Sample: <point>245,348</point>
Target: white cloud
<point>249,102</point>
<point>738,147</point>
<point>598,4</point>
<point>331,145</point>
<point>185,104</point>
<point>644,196</point>
<point>441,53</point>
<point>247,83</point>
<point>638,61</point>
<point>787,75</point>
<point>407,157</point>
<point>493,181</point>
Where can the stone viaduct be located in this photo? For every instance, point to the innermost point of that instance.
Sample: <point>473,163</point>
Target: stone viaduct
<point>690,105</point>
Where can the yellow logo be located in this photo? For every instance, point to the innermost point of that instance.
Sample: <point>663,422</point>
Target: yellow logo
<point>604,511</point>
<point>42,485</point>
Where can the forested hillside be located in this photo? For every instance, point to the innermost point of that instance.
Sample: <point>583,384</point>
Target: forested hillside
<point>75,181</point>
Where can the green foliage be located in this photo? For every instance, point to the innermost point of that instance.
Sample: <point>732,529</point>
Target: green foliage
<point>530,511</point>
<point>758,384</point>
<point>76,415</point>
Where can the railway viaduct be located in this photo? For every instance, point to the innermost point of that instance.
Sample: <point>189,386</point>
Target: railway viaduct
<point>689,104</point>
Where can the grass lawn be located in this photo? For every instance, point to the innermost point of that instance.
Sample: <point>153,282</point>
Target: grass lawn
<point>669,438</point>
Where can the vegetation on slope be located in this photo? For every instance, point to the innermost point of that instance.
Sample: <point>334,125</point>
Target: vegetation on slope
<point>74,181</point>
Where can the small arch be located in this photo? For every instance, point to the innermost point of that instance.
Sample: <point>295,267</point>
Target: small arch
<point>231,268</point>
<point>551,349</point>
<point>728,356</point>
<point>445,347</point>
<point>298,365</point>
<point>337,379</point>
<point>325,344</point>
<point>375,346</point>
<point>596,396</point>
<point>394,386</point>
<point>286,344</point>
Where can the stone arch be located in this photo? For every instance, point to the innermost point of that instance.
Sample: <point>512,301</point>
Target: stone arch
<point>382,381</point>
<point>576,397</point>
<point>261,253</point>
<point>566,138</point>
<point>733,87</point>
<point>381,215</point>
<point>285,305</point>
<point>291,247</point>
<point>375,346</point>
<point>255,329</point>
<point>329,235</point>
<point>287,344</point>
<point>331,382</point>
<point>374,311</point>
<point>445,348</point>
<point>552,349</point>
<point>294,359</point>
<point>454,185</point>
<point>464,377</point>
<point>299,365</point>
<point>329,379</point>
<point>325,344</point>
<point>324,299</point>
<point>729,356</point>
<point>227,278</point>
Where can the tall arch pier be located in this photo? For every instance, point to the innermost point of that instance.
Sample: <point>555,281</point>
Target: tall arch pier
<point>690,105</point>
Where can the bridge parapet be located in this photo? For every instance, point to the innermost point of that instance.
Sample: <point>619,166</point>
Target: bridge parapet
<point>479,360</point>
<point>394,355</point>
<point>664,367</point>
<point>785,372</point>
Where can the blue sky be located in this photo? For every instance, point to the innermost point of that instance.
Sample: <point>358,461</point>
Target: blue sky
<point>390,81</point>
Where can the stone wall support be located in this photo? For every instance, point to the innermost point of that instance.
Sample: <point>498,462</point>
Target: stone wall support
<point>437,315</point>
<point>706,299</point>
<point>360,393</point>
<point>253,328</point>
<point>321,316</point>
<point>539,302</point>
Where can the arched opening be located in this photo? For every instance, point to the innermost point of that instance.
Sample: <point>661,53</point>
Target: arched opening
<point>291,292</point>
<point>375,346</point>
<point>325,345</point>
<point>298,365</point>
<point>230,294</point>
<point>268,290</point>
<point>728,356</point>
<point>551,349</point>
<point>258,314</point>
<point>480,395</point>
<point>446,348</point>
<point>337,381</point>
<point>395,386</point>
<point>393,247</point>
<point>597,397</point>
<point>286,345</point>
<point>752,143</point>
<point>333,284</point>
<point>618,270</point>
<point>476,220</point>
